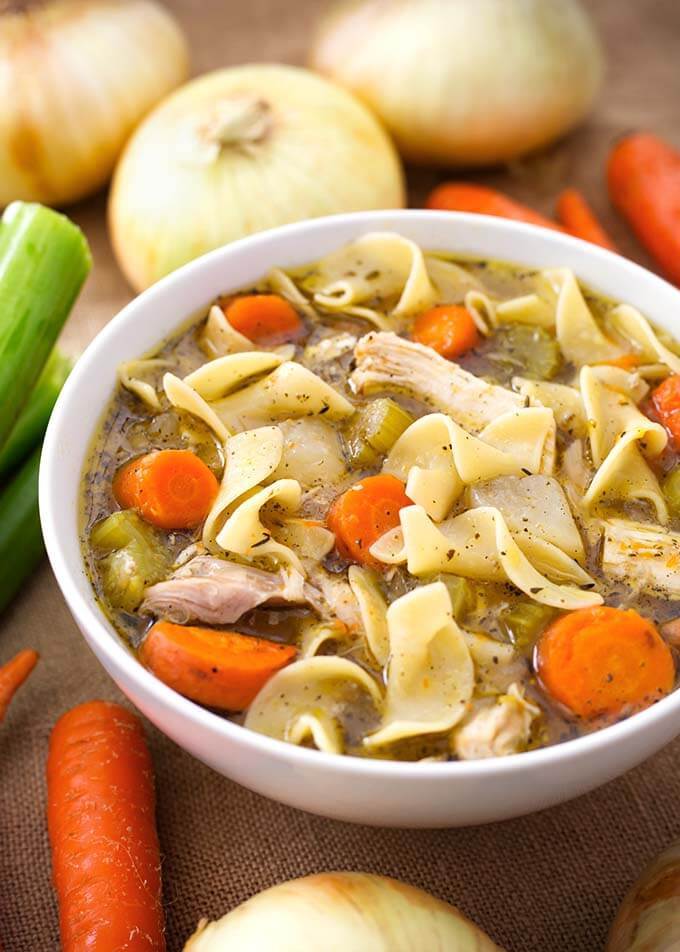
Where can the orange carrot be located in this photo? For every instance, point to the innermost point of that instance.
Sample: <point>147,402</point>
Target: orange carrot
<point>643,174</point>
<point>666,403</point>
<point>12,676</point>
<point>466,197</point>
<point>448,329</point>
<point>604,661</point>
<point>574,212</point>
<point>265,318</point>
<point>220,669</point>
<point>172,489</point>
<point>100,817</point>
<point>365,512</point>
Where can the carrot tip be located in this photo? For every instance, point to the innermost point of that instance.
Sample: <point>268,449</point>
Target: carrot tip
<point>13,674</point>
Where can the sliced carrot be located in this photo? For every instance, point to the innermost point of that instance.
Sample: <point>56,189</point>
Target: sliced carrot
<point>448,329</point>
<point>604,662</point>
<point>579,219</point>
<point>12,676</point>
<point>666,403</point>
<point>625,362</point>
<point>363,513</point>
<point>172,489</point>
<point>100,815</point>
<point>220,669</point>
<point>466,197</point>
<point>643,175</point>
<point>264,318</point>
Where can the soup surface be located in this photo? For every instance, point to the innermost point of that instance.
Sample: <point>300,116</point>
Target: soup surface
<point>398,505</point>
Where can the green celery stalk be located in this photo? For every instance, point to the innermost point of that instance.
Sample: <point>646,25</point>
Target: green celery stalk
<point>32,422</point>
<point>21,543</point>
<point>44,260</point>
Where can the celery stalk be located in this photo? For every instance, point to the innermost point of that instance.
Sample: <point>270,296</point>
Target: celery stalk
<point>32,423</point>
<point>21,545</point>
<point>44,260</point>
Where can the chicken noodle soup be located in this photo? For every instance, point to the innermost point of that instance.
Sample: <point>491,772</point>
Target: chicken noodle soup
<point>399,505</point>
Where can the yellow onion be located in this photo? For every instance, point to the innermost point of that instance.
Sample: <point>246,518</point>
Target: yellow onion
<point>238,151</point>
<point>76,78</point>
<point>648,919</point>
<point>465,82</point>
<point>341,912</point>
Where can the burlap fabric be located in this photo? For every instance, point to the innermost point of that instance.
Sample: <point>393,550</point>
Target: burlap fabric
<point>545,883</point>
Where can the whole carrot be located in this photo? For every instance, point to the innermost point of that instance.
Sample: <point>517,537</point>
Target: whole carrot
<point>100,816</point>
<point>579,219</point>
<point>467,197</point>
<point>643,175</point>
<point>12,676</point>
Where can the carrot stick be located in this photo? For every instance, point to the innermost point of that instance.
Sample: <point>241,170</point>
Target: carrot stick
<point>172,489</point>
<point>466,197</point>
<point>100,815</point>
<point>604,661</point>
<point>574,212</point>
<point>643,174</point>
<point>265,318</point>
<point>363,513</point>
<point>220,669</point>
<point>12,676</point>
<point>448,329</point>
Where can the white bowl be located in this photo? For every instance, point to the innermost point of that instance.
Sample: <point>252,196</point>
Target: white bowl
<point>346,788</point>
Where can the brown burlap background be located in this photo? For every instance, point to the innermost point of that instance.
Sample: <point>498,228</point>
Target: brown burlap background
<point>546,883</point>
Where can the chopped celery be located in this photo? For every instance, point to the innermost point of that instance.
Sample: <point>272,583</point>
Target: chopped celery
<point>671,490</point>
<point>360,454</point>
<point>374,431</point>
<point>136,558</point>
<point>524,622</point>
<point>121,528</point>
<point>123,583</point>
<point>531,350</point>
<point>44,260</point>
<point>460,593</point>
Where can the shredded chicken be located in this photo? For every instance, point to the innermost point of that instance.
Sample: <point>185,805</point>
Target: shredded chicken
<point>642,555</point>
<point>333,598</point>
<point>496,728</point>
<point>328,349</point>
<point>387,362</point>
<point>218,592</point>
<point>497,665</point>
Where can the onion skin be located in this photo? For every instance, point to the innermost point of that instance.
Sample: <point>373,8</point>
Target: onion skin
<point>465,83</point>
<point>341,912</point>
<point>238,151</point>
<point>648,919</point>
<point>77,77</point>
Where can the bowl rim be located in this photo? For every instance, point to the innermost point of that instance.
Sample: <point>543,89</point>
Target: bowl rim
<point>98,631</point>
